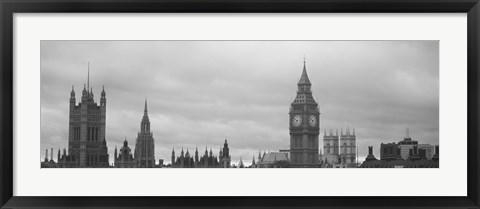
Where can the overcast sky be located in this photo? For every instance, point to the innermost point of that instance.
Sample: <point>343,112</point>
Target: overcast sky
<point>200,92</point>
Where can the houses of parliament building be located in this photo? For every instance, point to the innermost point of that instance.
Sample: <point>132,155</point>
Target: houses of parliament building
<point>207,160</point>
<point>87,146</point>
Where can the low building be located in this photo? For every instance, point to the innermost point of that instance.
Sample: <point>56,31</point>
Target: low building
<point>125,158</point>
<point>273,160</point>
<point>416,159</point>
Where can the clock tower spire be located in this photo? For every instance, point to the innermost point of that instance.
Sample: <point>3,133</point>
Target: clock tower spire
<point>304,125</point>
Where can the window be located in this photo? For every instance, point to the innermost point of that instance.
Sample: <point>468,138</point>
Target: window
<point>88,134</point>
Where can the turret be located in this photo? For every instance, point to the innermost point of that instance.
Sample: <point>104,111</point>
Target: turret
<point>196,155</point>
<point>84,94</point>
<point>226,151</point>
<point>72,98</point>
<point>173,156</point>
<point>91,94</point>
<point>145,124</point>
<point>58,156</point>
<point>103,99</point>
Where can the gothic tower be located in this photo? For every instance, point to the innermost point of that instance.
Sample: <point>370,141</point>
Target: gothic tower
<point>145,146</point>
<point>196,156</point>
<point>330,142</point>
<point>86,140</point>
<point>304,125</point>
<point>224,156</point>
<point>348,147</point>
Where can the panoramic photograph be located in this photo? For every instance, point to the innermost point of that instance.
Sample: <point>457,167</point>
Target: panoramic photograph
<point>239,104</point>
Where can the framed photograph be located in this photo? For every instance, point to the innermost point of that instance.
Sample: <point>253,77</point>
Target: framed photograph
<point>234,104</point>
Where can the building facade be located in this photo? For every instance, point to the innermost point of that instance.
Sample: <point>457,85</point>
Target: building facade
<point>125,158</point>
<point>331,155</point>
<point>402,149</point>
<point>145,144</point>
<point>407,144</point>
<point>224,158</point>
<point>404,154</point>
<point>304,125</point>
<point>87,146</point>
<point>391,158</point>
<point>273,160</point>
<point>185,160</point>
<point>348,148</point>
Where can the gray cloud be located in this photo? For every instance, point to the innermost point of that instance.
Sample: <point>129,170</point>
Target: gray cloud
<point>200,92</point>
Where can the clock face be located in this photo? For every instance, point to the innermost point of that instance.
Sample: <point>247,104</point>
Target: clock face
<point>312,120</point>
<point>297,120</point>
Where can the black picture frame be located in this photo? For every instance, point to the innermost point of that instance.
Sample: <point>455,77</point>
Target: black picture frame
<point>9,7</point>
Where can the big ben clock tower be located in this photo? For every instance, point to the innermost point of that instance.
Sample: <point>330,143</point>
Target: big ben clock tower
<point>304,125</point>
